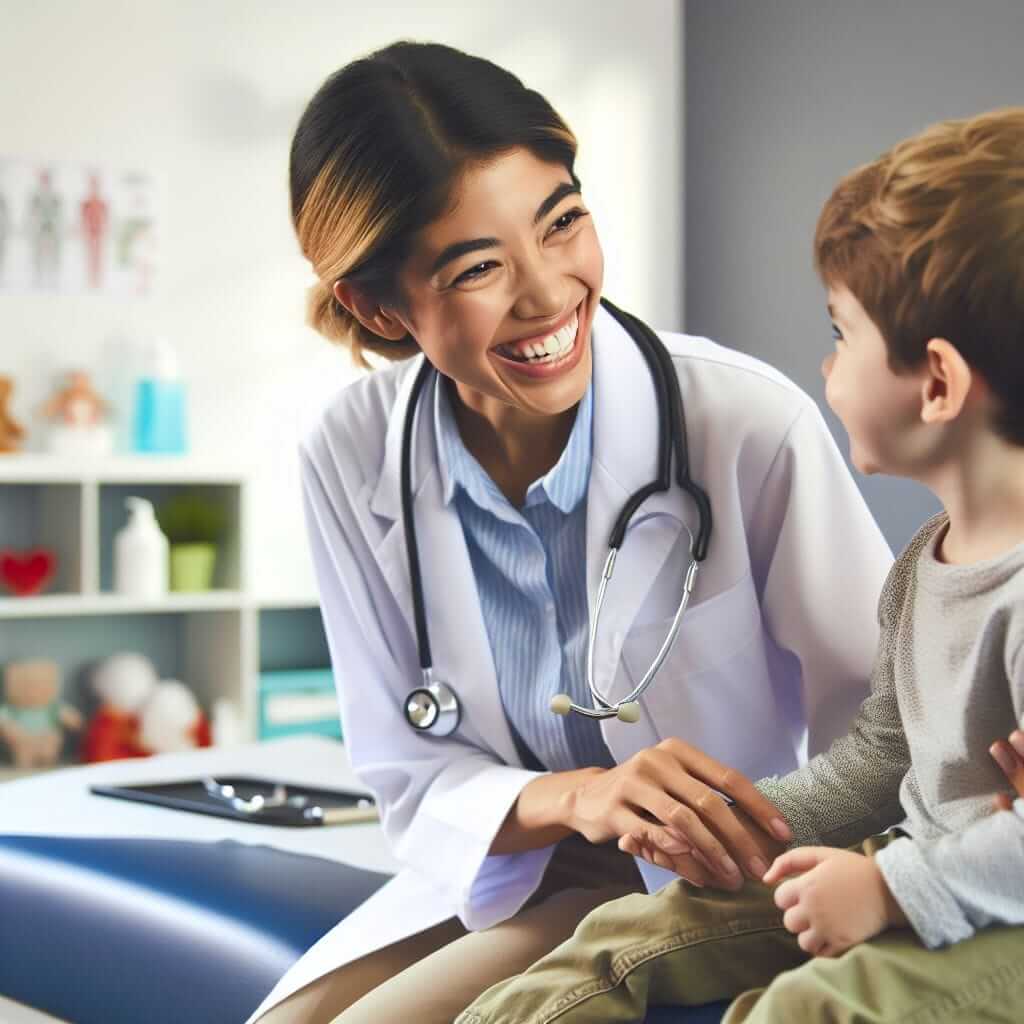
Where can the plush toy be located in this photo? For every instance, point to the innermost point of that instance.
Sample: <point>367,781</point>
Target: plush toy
<point>123,683</point>
<point>11,433</point>
<point>77,404</point>
<point>32,716</point>
<point>172,720</point>
<point>77,414</point>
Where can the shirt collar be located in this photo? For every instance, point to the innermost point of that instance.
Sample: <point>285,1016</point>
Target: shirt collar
<point>564,485</point>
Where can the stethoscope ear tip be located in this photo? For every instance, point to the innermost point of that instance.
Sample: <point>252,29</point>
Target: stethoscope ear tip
<point>561,704</point>
<point>628,712</point>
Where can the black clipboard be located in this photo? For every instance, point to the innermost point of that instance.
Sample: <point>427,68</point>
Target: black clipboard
<point>337,806</point>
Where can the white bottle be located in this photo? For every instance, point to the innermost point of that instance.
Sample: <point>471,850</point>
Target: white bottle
<point>141,553</point>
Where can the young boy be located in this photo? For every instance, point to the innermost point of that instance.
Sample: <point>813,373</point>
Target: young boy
<point>922,253</point>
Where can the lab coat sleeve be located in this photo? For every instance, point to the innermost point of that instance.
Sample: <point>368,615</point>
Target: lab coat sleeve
<point>819,562</point>
<point>442,801</point>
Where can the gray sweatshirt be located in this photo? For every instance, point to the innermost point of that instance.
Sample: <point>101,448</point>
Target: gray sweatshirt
<point>948,680</point>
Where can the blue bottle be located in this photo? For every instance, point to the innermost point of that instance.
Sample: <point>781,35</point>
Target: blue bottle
<point>160,413</point>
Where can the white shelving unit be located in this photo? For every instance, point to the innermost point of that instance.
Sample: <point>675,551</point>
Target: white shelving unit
<point>216,641</point>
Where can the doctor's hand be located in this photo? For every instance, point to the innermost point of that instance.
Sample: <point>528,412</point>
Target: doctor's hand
<point>669,798</point>
<point>1009,755</point>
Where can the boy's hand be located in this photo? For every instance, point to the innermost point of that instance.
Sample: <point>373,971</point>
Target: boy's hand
<point>840,900</point>
<point>1009,755</point>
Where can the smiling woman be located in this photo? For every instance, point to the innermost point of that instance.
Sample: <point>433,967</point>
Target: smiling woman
<point>436,198</point>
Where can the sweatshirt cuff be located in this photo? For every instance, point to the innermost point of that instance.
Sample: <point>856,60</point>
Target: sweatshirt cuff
<point>930,907</point>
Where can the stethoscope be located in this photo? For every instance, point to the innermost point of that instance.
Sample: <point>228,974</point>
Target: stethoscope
<point>434,708</point>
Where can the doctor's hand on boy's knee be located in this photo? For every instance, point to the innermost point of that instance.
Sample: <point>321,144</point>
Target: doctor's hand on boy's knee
<point>1009,755</point>
<point>837,900</point>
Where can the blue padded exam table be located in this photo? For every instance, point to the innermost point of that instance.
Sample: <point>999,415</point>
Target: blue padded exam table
<point>141,915</point>
<point>126,931</point>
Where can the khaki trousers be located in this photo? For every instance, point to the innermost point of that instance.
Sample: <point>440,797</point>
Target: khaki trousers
<point>430,977</point>
<point>685,946</point>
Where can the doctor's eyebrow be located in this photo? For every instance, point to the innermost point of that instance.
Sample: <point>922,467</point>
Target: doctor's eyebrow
<point>457,249</point>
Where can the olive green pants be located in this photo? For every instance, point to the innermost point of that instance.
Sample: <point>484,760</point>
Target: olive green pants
<point>686,946</point>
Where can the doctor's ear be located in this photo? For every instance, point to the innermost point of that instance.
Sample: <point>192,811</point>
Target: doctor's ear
<point>372,315</point>
<point>947,382</point>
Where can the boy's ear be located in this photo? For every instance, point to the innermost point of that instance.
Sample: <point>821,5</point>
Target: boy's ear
<point>374,317</point>
<point>946,384</point>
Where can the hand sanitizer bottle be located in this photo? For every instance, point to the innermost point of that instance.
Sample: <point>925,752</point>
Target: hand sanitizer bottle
<point>140,553</point>
<point>160,412</point>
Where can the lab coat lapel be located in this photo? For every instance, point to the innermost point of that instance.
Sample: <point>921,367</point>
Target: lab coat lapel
<point>460,647</point>
<point>624,460</point>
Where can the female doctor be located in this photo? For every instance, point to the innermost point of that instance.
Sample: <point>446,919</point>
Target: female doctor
<point>435,197</point>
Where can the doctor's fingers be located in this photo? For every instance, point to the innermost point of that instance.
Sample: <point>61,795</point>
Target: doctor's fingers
<point>730,782</point>
<point>688,824</point>
<point>690,866</point>
<point>694,799</point>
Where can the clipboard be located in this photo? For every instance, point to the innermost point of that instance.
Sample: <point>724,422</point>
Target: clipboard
<point>257,800</point>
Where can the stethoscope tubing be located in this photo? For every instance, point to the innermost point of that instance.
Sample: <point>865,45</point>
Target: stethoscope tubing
<point>435,706</point>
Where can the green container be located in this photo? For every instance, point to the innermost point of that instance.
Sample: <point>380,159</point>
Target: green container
<point>192,566</point>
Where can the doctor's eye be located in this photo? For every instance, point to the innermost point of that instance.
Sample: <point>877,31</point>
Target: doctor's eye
<point>568,219</point>
<point>475,272</point>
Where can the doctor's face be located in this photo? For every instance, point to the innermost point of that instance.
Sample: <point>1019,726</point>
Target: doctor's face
<point>500,292</point>
<point>880,409</point>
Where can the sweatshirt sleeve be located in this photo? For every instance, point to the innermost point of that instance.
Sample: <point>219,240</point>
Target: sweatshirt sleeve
<point>852,789</point>
<point>951,886</point>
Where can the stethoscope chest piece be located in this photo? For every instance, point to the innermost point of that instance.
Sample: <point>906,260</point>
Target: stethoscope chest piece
<point>433,708</point>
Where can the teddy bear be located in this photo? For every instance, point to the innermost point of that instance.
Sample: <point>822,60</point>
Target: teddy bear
<point>32,715</point>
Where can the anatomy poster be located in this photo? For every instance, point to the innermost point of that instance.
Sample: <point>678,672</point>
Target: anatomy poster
<point>76,228</point>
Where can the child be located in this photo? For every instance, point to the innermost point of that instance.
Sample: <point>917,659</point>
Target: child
<point>922,253</point>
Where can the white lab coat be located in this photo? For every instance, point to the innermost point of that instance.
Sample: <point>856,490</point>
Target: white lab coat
<point>771,662</point>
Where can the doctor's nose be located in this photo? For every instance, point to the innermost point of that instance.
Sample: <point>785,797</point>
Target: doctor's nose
<point>541,296</point>
<point>826,364</point>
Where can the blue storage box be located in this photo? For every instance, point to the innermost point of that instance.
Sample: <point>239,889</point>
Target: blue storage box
<point>297,701</point>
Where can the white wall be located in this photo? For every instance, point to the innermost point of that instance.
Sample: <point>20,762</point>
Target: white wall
<point>206,95</point>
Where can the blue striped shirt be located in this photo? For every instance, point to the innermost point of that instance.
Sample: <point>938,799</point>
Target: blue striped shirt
<point>530,569</point>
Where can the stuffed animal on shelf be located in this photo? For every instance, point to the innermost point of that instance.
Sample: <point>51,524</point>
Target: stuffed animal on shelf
<point>172,720</point>
<point>11,432</point>
<point>77,413</point>
<point>123,683</point>
<point>140,714</point>
<point>32,716</point>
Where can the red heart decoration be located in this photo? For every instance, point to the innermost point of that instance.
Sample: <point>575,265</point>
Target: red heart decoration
<point>25,573</point>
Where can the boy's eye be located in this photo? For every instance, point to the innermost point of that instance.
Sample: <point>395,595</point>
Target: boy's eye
<point>837,335</point>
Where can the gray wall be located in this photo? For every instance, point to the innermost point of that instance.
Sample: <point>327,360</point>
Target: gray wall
<point>782,98</point>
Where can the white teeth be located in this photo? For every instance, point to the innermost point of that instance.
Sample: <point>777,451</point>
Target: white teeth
<point>552,348</point>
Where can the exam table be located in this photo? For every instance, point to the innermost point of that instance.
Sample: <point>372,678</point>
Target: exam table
<point>143,926</point>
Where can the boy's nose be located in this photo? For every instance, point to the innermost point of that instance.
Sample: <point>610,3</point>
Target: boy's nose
<point>826,364</point>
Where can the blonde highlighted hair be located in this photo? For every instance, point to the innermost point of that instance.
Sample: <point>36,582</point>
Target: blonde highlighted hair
<point>930,240</point>
<point>376,155</point>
